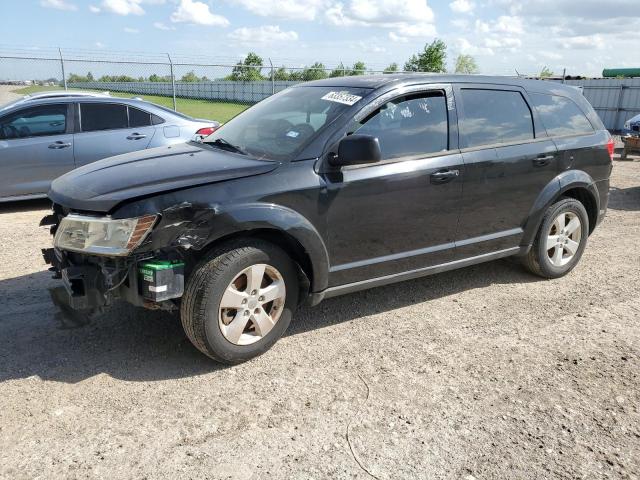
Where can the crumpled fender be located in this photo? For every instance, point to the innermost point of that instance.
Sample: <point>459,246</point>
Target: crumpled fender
<point>192,226</point>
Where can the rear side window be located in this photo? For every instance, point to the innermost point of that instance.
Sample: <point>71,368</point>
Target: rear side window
<point>410,125</point>
<point>560,115</point>
<point>495,116</point>
<point>34,122</point>
<point>139,118</point>
<point>102,116</point>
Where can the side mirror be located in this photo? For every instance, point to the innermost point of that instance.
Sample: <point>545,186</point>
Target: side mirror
<point>357,150</point>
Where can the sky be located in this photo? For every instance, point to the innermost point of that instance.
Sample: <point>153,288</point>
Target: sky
<point>504,36</point>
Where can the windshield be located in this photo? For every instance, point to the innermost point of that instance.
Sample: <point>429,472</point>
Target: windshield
<point>279,126</point>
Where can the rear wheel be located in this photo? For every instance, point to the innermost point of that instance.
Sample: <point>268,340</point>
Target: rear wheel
<point>560,241</point>
<point>239,301</point>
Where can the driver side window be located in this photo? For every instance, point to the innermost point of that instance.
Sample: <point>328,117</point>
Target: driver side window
<point>411,125</point>
<point>34,122</point>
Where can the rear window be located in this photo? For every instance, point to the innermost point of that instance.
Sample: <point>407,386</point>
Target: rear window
<point>560,115</point>
<point>139,118</point>
<point>495,116</point>
<point>102,116</point>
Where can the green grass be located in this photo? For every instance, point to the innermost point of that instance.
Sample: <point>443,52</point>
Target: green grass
<point>212,110</point>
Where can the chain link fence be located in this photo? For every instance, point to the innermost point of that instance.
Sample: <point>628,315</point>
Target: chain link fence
<point>216,90</point>
<point>219,90</point>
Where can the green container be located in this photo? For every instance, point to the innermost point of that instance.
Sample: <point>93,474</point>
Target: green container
<point>160,280</point>
<point>621,72</point>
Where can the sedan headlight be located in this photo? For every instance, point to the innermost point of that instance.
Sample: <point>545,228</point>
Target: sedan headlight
<point>627,125</point>
<point>102,235</point>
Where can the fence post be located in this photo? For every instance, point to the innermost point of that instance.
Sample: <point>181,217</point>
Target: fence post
<point>273,79</point>
<point>64,76</point>
<point>173,83</point>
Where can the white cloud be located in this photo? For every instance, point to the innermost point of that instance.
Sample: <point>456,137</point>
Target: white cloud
<point>94,9</point>
<point>99,45</point>
<point>368,47</point>
<point>585,42</point>
<point>284,9</point>
<point>162,26</point>
<point>190,11</point>
<point>394,37</point>
<point>462,6</point>
<point>465,46</point>
<point>266,34</point>
<point>503,24</point>
<point>460,23</point>
<point>122,7</point>
<point>380,12</point>
<point>58,5</point>
<point>131,30</point>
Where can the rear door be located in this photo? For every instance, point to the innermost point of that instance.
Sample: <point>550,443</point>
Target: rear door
<point>108,129</point>
<point>508,161</point>
<point>36,146</point>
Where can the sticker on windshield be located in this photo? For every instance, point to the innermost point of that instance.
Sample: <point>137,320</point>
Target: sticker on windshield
<point>341,97</point>
<point>293,134</point>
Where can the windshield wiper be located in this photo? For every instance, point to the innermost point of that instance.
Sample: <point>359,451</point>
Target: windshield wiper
<point>222,143</point>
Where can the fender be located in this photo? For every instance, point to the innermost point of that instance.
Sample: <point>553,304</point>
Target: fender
<point>550,193</point>
<point>196,227</point>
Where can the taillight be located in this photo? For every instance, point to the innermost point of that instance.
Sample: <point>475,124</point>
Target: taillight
<point>611,146</point>
<point>206,131</point>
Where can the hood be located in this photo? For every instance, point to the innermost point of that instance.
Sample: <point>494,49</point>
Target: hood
<point>102,185</point>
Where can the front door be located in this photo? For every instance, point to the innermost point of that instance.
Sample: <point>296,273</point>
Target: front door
<point>400,214</point>
<point>36,146</point>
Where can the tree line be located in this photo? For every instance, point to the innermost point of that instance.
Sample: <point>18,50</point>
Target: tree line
<point>432,58</point>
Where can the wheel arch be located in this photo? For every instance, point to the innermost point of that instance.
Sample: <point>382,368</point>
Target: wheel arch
<point>575,184</point>
<point>278,225</point>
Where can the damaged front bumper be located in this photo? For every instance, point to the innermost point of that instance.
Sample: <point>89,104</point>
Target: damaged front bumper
<point>93,282</point>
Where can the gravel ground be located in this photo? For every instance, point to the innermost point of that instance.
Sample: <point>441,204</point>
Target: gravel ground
<point>485,372</point>
<point>6,93</point>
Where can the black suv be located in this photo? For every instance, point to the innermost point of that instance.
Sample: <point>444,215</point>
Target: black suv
<point>330,187</point>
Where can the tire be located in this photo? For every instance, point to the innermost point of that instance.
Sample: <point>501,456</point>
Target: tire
<point>209,326</point>
<point>547,263</point>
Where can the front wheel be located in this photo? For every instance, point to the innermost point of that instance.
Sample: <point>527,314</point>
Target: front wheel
<point>560,241</point>
<point>239,301</point>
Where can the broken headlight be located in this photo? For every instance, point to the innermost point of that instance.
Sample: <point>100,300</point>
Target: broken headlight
<point>102,235</point>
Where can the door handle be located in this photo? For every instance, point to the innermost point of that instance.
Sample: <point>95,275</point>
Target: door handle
<point>136,136</point>
<point>445,176</point>
<point>543,160</point>
<point>59,144</point>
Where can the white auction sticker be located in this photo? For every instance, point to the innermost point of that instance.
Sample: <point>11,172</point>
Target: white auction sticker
<point>342,97</point>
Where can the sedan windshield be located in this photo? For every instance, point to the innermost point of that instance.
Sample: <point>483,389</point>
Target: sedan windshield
<point>279,126</point>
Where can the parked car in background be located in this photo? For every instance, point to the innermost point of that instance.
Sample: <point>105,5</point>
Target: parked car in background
<point>632,126</point>
<point>45,135</point>
<point>330,187</point>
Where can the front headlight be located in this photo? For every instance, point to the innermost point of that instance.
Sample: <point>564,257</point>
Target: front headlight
<point>102,235</point>
<point>627,125</point>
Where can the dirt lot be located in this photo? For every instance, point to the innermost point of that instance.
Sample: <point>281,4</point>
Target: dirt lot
<point>485,372</point>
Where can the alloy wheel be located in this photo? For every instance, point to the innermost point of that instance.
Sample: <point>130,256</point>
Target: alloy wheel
<point>252,304</point>
<point>563,238</point>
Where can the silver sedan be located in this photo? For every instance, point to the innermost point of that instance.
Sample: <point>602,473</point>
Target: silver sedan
<point>46,135</point>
